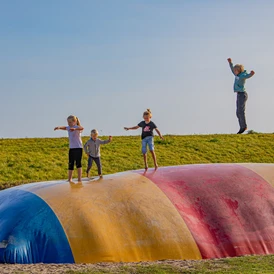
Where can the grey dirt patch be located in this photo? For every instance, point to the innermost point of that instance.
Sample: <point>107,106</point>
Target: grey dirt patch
<point>63,268</point>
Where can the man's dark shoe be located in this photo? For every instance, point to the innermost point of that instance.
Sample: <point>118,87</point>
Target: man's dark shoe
<point>242,130</point>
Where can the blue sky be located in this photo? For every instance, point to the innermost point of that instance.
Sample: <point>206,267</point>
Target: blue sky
<point>106,61</point>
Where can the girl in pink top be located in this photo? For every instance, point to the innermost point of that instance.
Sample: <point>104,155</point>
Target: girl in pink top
<point>74,129</point>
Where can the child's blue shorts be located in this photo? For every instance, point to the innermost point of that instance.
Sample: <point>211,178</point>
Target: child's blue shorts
<point>149,140</point>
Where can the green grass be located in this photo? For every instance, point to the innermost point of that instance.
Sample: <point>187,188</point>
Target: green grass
<point>42,159</point>
<point>244,265</point>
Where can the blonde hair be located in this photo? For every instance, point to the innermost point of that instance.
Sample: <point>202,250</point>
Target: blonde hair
<point>147,112</point>
<point>94,132</point>
<point>240,67</point>
<point>74,119</point>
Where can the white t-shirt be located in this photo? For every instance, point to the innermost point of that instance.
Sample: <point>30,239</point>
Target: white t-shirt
<point>75,140</point>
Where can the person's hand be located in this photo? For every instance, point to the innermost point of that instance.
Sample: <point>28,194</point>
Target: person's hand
<point>110,138</point>
<point>162,138</point>
<point>252,72</point>
<point>126,128</point>
<point>229,60</point>
<point>72,129</point>
<point>87,154</point>
<point>56,128</point>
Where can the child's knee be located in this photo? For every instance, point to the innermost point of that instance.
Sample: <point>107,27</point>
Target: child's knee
<point>71,166</point>
<point>151,147</point>
<point>144,150</point>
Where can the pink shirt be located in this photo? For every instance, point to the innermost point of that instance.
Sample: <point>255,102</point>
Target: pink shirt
<point>75,140</point>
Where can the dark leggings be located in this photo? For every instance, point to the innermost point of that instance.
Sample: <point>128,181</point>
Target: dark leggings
<point>97,161</point>
<point>240,112</point>
<point>75,156</point>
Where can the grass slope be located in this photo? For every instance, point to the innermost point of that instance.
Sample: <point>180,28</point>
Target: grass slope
<point>42,159</point>
<point>243,265</point>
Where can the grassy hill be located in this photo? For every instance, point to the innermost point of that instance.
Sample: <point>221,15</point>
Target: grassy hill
<point>42,159</point>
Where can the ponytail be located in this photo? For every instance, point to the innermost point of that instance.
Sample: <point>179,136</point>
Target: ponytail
<point>75,119</point>
<point>78,123</point>
<point>147,112</point>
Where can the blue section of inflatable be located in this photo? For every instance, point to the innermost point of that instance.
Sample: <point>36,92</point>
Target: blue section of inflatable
<point>30,231</point>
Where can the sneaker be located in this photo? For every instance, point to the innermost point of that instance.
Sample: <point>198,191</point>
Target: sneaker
<point>242,130</point>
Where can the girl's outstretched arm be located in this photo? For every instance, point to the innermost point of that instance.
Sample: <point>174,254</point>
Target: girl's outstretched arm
<point>63,128</point>
<point>128,128</point>
<point>103,142</point>
<point>77,128</point>
<point>159,133</point>
<point>249,75</point>
<point>231,65</point>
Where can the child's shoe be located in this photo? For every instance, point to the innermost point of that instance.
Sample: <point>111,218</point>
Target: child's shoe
<point>242,130</point>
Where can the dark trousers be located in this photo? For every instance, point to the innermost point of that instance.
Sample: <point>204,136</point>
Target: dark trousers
<point>75,156</point>
<point>240,112</point>
<point>97,161</point>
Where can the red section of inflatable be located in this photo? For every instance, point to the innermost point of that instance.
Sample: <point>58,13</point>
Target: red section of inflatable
<point>227,207</point>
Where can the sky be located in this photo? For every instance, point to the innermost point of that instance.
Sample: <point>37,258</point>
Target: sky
<point>107,61</point>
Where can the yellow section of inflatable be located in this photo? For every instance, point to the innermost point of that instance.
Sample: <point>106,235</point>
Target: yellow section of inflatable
<point>123,217</point>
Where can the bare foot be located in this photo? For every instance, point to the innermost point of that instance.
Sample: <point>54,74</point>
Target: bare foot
<point>156,167</point>
<point>76,185</point>
<point>79,184</point>
<point>146,168</point>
